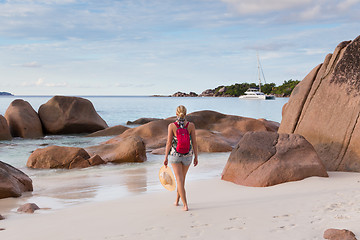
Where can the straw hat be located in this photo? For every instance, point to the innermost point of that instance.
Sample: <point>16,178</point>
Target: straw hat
<point>167,178</point>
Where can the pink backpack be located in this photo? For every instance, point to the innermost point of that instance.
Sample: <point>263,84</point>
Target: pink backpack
<point>183,139</point>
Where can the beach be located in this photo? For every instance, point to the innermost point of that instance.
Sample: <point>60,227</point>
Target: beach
<point>127,201</point>
<point>217,209</point>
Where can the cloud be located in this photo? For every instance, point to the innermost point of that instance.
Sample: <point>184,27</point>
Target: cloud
<point>287,11</point>
<point>31,65</point>
<point>270,46</point>
<point>345,5</point>
<point>41,83</point>
<point>129,85</point>
<point>257,7</point>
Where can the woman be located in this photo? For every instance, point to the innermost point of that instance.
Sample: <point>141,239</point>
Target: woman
<point>180,153</point>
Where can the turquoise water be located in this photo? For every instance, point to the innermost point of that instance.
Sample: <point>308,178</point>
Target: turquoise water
<point>59,188</point>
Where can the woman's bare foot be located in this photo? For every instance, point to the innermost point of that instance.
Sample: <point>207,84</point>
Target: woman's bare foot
<point>185,208</point>
<point>176,203</point>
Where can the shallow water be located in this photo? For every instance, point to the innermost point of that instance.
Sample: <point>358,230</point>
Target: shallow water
<point>59,188</point>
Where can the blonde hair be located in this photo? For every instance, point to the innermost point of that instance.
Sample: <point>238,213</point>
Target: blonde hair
<point>181,111</point>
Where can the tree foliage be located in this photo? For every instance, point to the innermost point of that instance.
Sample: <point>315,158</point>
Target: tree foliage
<point>238,89</point>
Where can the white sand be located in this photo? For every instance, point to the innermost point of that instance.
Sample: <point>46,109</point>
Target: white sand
<point>218,210</point>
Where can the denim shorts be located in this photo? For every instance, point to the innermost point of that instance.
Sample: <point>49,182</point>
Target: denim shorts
<point>184,160</point>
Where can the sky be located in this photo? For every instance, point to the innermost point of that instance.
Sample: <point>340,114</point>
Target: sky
<point>146,47</point>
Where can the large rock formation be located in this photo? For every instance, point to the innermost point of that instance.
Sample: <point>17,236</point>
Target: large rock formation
<point>4,129</point>
<point>181,94</point>
<point>13,182</point>
<point>23,120</point>
<point>325,108</point>
<point>66,115</point>
<point>142,121</point>
<point>339,234</point>
<point>216,132</point>
<point>111,131</point>
<point>62,157</point>
<point>208,93</point>
<point>264,159</point>
<point>128,149</point>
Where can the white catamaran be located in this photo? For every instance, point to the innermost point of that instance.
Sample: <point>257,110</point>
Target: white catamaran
<point>255,93</point>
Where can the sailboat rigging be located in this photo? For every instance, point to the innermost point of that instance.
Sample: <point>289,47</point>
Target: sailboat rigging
<point>255,93</point>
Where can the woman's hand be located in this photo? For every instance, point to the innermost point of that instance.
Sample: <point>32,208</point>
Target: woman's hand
<point>195,161</point>
<point>166,161</point>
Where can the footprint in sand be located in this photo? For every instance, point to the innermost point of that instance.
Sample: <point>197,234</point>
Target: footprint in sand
<point>153,228</point>
<point>234,228</point>
<point>199,225</point>
<point>282,216</point>
<point>116,237</point>
<point>316,219</point>
<point>283,220</point>
<point>284,227</point>
<point>240,223</point>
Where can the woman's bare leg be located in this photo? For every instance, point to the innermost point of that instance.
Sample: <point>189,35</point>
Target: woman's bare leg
<point>180,174</point>
<point>185,170</point>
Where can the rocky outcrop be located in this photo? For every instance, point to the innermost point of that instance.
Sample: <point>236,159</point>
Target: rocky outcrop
<point>142,121</point>
<point>6,94</point>
<point>181,94</point>
<point>28,208</point>
<point>216,132</point>
<point>325,108</point>
<point>111,131</point>
<point>264,159</point>
<point>62,157</point>
<point>211,142</point>
<point>13,182</point>
<point>4,129</point>
<point>207,93</point>
<point>337,234</point>
<point>23,121</point>
<point>67,115</point>
<point>127,149</point>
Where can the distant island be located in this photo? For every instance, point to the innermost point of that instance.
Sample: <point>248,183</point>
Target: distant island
<point>6,94</point>
<point>239,89</point>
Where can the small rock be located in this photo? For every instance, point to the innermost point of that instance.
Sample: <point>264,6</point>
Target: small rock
<point>2,229</point>
<point>337,234</point>
<point>28,208</point>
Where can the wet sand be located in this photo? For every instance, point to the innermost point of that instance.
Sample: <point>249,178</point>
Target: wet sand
<point>218,210</point>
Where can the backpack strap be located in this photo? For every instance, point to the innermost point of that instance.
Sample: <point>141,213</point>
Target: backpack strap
<point>178,126</point>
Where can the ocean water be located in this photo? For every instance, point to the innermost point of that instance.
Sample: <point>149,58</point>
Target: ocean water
<point>59,188</point>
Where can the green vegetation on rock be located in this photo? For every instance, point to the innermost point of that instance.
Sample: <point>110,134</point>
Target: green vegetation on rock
<point>238,89</point>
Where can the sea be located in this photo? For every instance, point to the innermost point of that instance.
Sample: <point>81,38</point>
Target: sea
<point>59,188</point>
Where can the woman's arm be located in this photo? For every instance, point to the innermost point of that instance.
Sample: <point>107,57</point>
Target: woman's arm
<point>194,142</point>
<point>168,143</point>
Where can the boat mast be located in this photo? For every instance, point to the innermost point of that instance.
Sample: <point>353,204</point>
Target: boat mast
<point>258,61</point>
